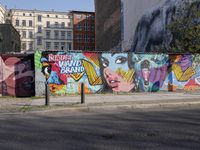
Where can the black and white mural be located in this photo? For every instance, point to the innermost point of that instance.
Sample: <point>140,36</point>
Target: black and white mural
<point>160,26</point>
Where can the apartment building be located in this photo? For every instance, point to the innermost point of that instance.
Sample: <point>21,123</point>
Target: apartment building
<point>108,25</point>
<point>44,30</point>
<point>9,39</point>
<point>83,30</point>
<point>2,14</point>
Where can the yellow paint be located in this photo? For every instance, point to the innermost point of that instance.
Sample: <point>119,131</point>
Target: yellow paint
<point>93,78</point>
<point>183,75</point>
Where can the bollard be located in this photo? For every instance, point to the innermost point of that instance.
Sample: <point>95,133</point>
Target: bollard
<point>46,94</point>
<point>82,94</point>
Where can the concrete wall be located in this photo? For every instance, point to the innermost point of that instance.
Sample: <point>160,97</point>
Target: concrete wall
<point>142,26</point>
<point>107,24</point>
<point>133,10</point>
<point>116,72</point>
<point>161,26</point>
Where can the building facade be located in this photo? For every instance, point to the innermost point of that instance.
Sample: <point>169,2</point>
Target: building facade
<point>2,14</point>
<point>108,25</point>
<point>153,26</point>
<point>9,39</point>
<point>45,30</point>
<point>83,30</point>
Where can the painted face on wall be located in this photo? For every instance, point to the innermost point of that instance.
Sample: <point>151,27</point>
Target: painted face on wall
<point>118,75</point>
<point>151,71</point>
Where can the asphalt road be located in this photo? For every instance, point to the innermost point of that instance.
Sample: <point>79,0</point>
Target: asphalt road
<point>152,129</point>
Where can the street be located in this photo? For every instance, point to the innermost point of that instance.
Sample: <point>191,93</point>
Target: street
<point>150,129</point>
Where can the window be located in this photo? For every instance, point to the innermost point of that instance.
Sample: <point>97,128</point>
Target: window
<point>86,27</point>
<point>30,14</point>
<point>39,40</point>
<point>69,24</point>
<point>48,34</point>
<point>48,45</point>
<point>62,25</point>
<point>56,25</point>
<point>78,16</point>
<point>79,38</point>
<point>69,35</point>
<point>48,16</point>
<point>30,23</point>
<point>30,34</point>
<point>30,46</point>
<point>69,46</point>
<point>39,29</point>
<point>23,23</point>
<point>87,17</point>
<point>24,14</point>
<point>63,46</point>
<point>56,16</point>
<point>92,17</point>
<point>86,38</point>
<point>70,16</point>
<point>79,27</point>
<point>48,24</point>
<point>92,39</point>
<point>92,27</point>
<point>56,34</point>
<point>23,46</point>
<point>17,22</point>
<point>62,34</point>
<point>39,18</point>
<point>23,34</point>
<point>56,45</point>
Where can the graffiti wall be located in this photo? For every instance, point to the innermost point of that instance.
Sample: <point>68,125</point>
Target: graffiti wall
<point>100,72</point>
<point>65,72</point>
<point>151,71</point>
<point>185,72</point>
<point>115,72</point>
<point>17,76</point>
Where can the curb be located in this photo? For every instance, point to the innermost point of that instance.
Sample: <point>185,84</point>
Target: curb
<point>144,106</point>
<point>110,107</point>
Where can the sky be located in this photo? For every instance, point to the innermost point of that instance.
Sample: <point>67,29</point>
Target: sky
<point>56,5</point>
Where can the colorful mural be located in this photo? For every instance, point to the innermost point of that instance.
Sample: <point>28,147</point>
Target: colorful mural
<point>17,75</point>
<point>185,72</point>
<point>65,72</point>
<point>117,72</point>
<point>151,71</point>
<point>100,73</point>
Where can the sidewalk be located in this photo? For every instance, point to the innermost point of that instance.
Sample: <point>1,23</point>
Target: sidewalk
<point>101,101</point>
<point>136,100</point>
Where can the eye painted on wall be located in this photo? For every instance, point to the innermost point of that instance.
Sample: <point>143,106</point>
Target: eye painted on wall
<point>154,59</point>
<point>137,58</point>
<point>46,70</point>
<point>120,60</point>
<point>105,62</point>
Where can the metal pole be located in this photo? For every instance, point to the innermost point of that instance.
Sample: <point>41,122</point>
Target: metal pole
<point>46,94</point>
<point>82,94</point>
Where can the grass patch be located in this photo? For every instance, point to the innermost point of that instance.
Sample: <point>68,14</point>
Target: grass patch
<point>33,108</point>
